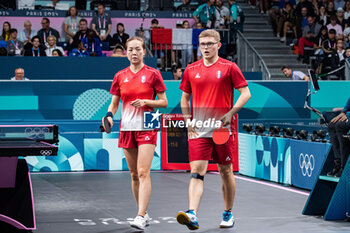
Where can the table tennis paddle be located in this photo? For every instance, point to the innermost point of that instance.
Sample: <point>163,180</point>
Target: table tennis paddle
<point>107,126</point>
<point>221,135</point>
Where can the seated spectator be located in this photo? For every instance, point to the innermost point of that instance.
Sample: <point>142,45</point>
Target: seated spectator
<point>338,59</point>
<point>310,32</point>
<point>6,27</point>
<point>120,37</point>
<point>338,127</point>
<point>287,21</point>
<point>185,6</point>
<point>185,24</point>
<point>339,4</point>
<point>102,24</point>
<point>329,45</point>
<point>335,26</point>
<point>14,46</point>
<point>27,33</point>
<point>275,14</point>
<point>3,51</point>
<point>340,18</point>
<point>93,44</point>
<point>323,17</point>
<point>321,37</point>
<point>71,23</point>
<point>177,72</point>
<point>36,49</point>
<point>330,8</point>
<point>222,15</point>
<point>57,53</point>
<point>206,14</point>
<point>51,41</point>
<point>46,31</point>
<point>82,33</point>
<point>118,51</point>
<point>19,75</point>
<point>347,10</point>
<point>294,75</point>
<point>301,21</point>
<point>79,51</point>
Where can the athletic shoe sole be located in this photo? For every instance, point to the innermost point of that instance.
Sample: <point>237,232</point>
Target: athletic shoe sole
<point>183,219</point>
<point>137,227</point>
<point>221,226</point>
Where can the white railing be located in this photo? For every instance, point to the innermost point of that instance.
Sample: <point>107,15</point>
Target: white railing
<point>248,59</point>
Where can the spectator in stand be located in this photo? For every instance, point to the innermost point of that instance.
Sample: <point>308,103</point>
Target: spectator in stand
<point>120,37</point>
<point>302,21</point>
<point>82,33</point>
<point>19,75</point>
<point>330,8</point>
<point>14,46</point>
<point>335,26</point>
<point>185,6</point>
<point>102,24</point>
<point>320,39</point>
<point>93,44</point>
<point>275,14</point>
<point>199,54</point>
<point>293,74</point>
<point>339,4</point>
<point>206,14</point>
<point>236,16</point>
<point>27,33</point>
<point>79,51</point>
<point>287,21</point>
<point>302,4</point>
<point>187,53</point>
<point>347,10</point>
<point>57,53</point>
<point>323,17</point>
<point>340,18</point>
<point>222,15</point>
<point>310,32</point>
<point>51,45</point>
<point>337,59</point>
<point>6,27</point>
<point>36,49</point>
<point>71,23</point>
<point>347,52</point>
<point>118,51</point>
<point>347,38</point>
<point>329,45</point>
<point>177,71</point>
<point>46,31</point>
<point>263,6</point>
<point>186,24</point>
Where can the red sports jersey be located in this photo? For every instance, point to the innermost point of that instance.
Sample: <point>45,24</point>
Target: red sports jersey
<point>145,84</point>
<point>212,89</point>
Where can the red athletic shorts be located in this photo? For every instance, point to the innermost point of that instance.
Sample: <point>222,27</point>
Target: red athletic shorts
<point>204,148</point>
<point>132,139</point>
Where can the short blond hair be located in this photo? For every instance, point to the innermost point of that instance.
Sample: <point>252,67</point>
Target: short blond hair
<point>210,33</point>
<point>49,37</point>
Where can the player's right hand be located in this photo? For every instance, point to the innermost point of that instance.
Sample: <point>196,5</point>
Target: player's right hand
<point>110,120</point>
<point>192,133</point>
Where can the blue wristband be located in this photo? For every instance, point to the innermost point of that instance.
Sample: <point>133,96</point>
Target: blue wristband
<point>109,114</point>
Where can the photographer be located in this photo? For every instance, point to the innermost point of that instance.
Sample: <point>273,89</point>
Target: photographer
<point>337,128</point>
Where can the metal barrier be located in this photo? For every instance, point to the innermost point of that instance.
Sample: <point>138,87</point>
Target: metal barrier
<point>183,54</point>
<point>248,59</point>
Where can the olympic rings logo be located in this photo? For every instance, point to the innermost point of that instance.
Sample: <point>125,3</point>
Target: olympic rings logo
<point>306,164</point>
<point>36,132</point>
<point>46,152</point>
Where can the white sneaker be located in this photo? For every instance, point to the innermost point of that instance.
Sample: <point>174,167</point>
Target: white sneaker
<point>147,218</point>
<point>283,39</point>
<point>139,222</point>
<point>227,220</point>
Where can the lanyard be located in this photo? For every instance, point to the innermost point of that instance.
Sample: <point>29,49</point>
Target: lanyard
<point>52,50</point>
<point>329,44</point>
<point>208,11</point>
<point>15,44</point>
<point>45,35</point>
<point>34,53</point>
<point>93,45</point>
<point>83,36</point>
<point>75,25</point>
<point>104,22</point>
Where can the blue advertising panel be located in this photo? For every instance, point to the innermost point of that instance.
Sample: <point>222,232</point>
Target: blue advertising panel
<point>263,157</point>
<point>307,160</point>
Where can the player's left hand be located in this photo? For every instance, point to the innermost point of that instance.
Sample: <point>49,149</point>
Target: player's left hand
<point>226,119</point>
<point>138,103</point>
